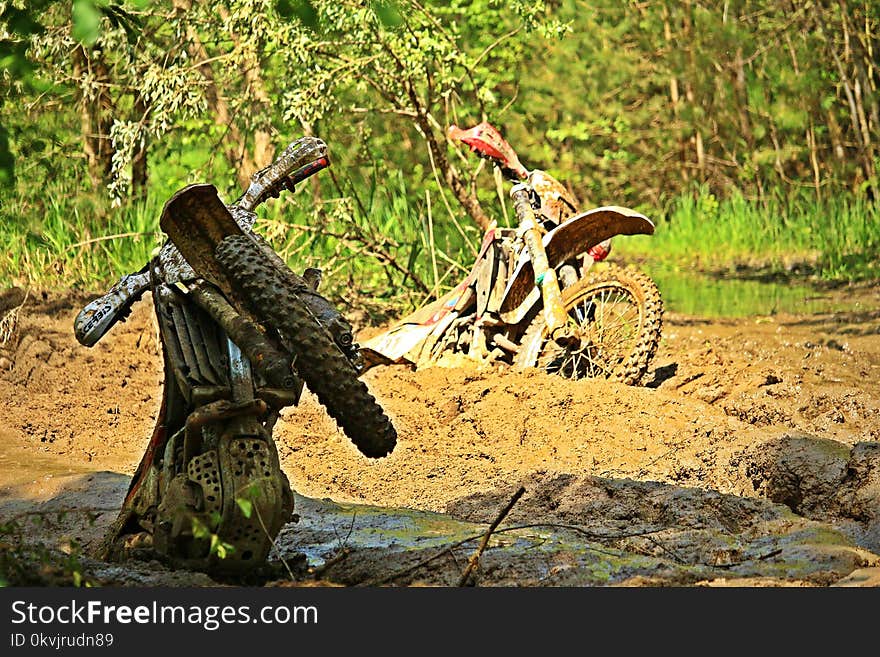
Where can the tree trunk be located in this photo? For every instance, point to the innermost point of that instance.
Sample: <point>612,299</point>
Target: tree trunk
<point>675,98</point>
<point>864,88</point>
<point>235,144</point>
<point>264,149</point>
<point>814,160</point>
<point>448,172</point>
<point>742,97</point>
<point>853,95</point>
<point>95,116</point>
<point>690,93</point>
<point>139,175</point>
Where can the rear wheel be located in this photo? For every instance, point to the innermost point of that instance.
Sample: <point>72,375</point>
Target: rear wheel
<point>616,315</point>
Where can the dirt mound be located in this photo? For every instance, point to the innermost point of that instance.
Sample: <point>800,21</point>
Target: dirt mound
<point>751,452</point>
<point>93,405</point>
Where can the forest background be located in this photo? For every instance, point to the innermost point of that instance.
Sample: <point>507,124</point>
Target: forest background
<point>748,131</point>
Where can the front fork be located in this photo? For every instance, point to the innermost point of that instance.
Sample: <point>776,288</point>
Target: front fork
<point>555,315</point>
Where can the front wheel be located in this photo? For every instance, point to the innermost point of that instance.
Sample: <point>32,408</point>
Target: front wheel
<point>319,361</point>
<point>617,317</point>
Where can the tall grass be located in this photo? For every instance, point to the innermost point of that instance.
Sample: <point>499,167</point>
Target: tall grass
<point>384,252</point>
<point>67,238</point>
<point>378,249</point>
<point>835,239</point>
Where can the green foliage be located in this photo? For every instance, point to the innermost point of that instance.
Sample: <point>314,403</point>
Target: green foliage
<point>835,239</point>
<point>613,95</point>
<point>205,530</point>
<point>86,17</point>
<point>246,506</point>
<point>63,236</point>
<point>629,103</point>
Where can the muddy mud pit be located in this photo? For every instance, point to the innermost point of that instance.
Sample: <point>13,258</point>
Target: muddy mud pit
<point>749,457</point>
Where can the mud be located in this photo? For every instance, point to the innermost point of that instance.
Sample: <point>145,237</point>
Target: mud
<point>749,457</point>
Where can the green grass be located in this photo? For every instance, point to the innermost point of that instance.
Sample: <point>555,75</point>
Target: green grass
<point>378,250</point>
<point>837,239</point>
<point>383,252</point>
<point>67,238</point>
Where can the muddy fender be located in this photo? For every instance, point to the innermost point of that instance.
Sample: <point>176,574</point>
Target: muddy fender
<point>577,235</point>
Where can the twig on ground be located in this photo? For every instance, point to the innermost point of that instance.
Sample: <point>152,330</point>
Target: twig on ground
<point>424,562</point>
<point>274,544</point>
<point>343,542</point>
<point>675,557</point>
<point>475,557</point>
<point>341,555</point>
<point>586,532</point>
<point>734,564</point>
<point>449,549</point>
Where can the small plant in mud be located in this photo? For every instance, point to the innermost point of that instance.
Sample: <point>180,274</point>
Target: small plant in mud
<point>11,303</point>
<point>206,532</point>
<point>24,563</point>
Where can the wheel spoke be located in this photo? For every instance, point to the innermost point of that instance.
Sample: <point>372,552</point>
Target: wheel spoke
<point>608,319</point>
<point>623,319</point>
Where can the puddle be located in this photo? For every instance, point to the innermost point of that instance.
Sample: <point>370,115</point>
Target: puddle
<point>326,526</point>
<point>692,293</point>
<point>21,465</point>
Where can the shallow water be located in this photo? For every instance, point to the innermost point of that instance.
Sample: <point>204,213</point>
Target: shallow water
<point>714,295</point>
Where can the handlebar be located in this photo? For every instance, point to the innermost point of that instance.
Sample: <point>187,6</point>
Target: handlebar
<point>308,170</point>
<point>301,159</point>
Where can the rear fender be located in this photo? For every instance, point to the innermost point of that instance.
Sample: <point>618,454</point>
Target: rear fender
<point>577,235</point>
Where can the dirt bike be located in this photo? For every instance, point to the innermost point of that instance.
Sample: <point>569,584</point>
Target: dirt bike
<point>241,334</point>
<point>531,299</point>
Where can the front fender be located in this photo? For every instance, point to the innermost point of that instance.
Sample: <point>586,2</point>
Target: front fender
<point>575,236</point>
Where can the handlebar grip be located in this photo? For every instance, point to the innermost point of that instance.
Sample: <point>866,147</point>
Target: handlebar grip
<point>309,170</point>
<point>302,157</point>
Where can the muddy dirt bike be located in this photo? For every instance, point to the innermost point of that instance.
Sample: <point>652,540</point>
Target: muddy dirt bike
<point>240,334</point>
<point>531,298</point>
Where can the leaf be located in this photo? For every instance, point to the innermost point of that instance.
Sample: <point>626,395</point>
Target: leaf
<point>21,22</point>
<point>388,13</point>
<point>246,506</point>
<point>86,22</point>
<point>218,547</point>
<point>199,529</point>
<point>303,10</point>
<point>125,20</point>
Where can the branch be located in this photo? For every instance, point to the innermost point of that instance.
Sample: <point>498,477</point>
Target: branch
<point>448,550</point>
<point>386,110</point>
<point>475,557</point>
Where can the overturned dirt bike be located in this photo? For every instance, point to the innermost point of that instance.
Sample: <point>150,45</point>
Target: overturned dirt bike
<point>531,298</point>
<point>240,334</point>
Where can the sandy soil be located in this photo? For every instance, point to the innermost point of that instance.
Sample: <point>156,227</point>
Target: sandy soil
<point>750,456</point>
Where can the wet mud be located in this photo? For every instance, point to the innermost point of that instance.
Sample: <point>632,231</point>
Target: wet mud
<point>750,456</point>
